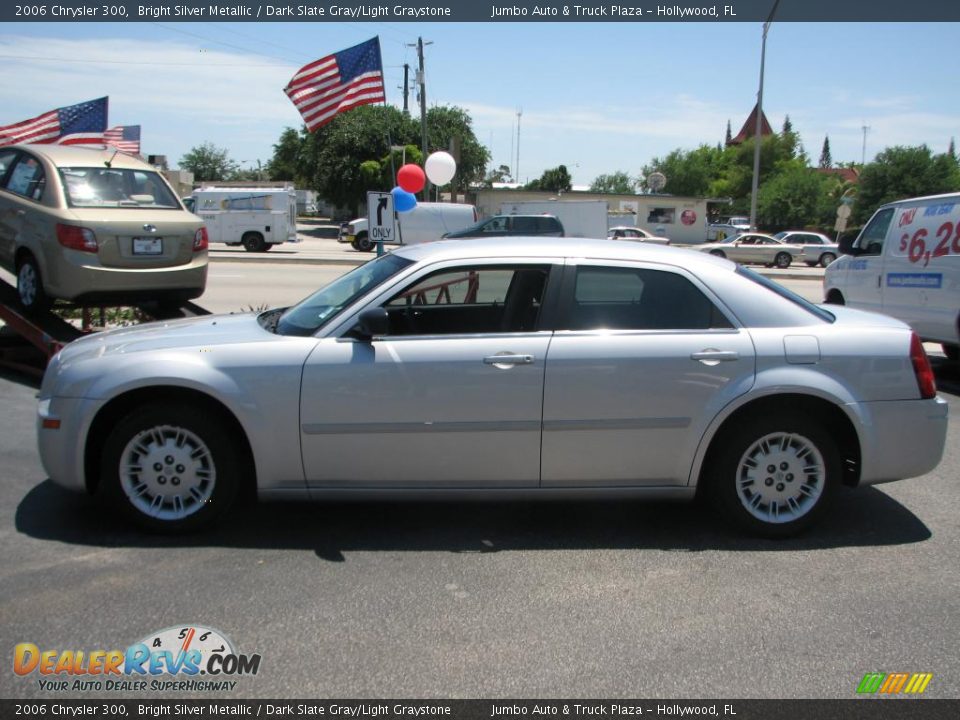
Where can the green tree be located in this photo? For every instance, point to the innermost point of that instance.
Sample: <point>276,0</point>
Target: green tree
<point>794,197</point>
<point>618,182</point>
<point>284,163</point>
<point>826,160</point>
<point>729,135</point>
<point>500,175</point>
<point>553,180</point>
<point>902,172</point>
<point>691,172</point>
<point>208,162</point>
<point>787,125</point>
<point>446,124</point>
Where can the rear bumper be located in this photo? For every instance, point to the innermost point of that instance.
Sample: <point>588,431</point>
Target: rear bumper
<point>89,283</point>
<point>901,439</point>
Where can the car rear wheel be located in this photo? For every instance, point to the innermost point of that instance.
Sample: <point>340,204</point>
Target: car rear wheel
<point>253,242</point>
<point>30,290</point>
<point>774,475</point>
<point>718,253</point>
<point>826,259</point>
<point>782,260</point>
<point>168,468</point>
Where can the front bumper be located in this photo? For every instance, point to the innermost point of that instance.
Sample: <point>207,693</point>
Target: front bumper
<point>62,448</point>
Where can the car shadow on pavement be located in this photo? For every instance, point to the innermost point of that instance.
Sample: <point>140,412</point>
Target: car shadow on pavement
<point>864,517</point>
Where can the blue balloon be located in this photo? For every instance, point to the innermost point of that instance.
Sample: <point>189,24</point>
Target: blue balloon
<point>402,200</point>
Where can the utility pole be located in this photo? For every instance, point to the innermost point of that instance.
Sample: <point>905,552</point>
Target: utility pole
<point>863,152</point>
<point>421,80</point>
<point>516,177</point>
<point>758,138</point>
<point>406,88</point>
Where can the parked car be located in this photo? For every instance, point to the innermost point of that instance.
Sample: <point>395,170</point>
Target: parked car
<point>754,248</point>
<point>501,225</point>
<point>581,368</point>
<point>816,248</point>
<point>624,232</point>
<point>95,225</point>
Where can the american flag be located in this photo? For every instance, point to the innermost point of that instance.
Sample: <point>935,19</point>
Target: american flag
<point>337,83</point>
<point>78,124</point>
<point>125,138</point>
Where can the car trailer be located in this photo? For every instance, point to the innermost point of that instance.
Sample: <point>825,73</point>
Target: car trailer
<point>27,342</point>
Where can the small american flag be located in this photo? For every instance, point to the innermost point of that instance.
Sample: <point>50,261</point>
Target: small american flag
<point>125,138</point>
<point>337,83</point>
<point>78,124</point>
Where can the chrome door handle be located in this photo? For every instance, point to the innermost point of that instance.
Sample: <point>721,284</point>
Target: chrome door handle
<point>508,359</point>
<point>711,356</point>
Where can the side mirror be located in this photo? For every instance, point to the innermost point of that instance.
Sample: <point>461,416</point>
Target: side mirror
<point>373,322</point>
<point>846,246</point>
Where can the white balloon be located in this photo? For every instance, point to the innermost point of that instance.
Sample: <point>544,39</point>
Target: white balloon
<point>440,167</point>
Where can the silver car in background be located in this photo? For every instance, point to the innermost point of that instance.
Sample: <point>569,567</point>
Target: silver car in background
<point>500,368</point>
<point>755,248</point>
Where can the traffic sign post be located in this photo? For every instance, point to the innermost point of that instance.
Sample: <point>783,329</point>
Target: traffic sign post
<point>381,220</point>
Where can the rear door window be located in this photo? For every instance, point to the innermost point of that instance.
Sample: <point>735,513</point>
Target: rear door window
<point>27,178</point>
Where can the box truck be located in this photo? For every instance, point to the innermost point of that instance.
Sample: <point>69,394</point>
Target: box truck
<point>257,218</point>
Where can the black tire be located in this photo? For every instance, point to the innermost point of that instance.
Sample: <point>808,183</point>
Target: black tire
<point>787,499</point>
<point>718,253</point>
<point>33,298</point>
<point>253,242</point>
<point>196,458</point>
<point>951,351</point>
<point>782,260</point>
<point>826,259</point>
<point>354,245</point>
<point>364,244</point>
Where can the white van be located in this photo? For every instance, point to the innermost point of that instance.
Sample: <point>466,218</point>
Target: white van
<point>257,218</point>
<point>427,221</point>
<point>906,263</point>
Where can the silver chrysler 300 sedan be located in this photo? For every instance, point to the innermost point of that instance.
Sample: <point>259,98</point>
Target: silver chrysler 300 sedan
<point>515,367</point>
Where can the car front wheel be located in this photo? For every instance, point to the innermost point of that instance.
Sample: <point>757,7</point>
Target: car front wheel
<point>168,468</point>
<point>773,475</point>
<point>782,260</point>
<point>364,244</point>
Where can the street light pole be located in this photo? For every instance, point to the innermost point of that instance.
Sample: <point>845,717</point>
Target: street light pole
<point>757,139</point>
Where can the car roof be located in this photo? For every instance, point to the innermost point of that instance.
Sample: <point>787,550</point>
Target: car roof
<point>550,248</point>
<point>84,156</point>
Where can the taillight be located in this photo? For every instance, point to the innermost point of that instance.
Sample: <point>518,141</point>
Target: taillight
<point>201,241</point>
<point>76,238</point>
<point>922,369</point>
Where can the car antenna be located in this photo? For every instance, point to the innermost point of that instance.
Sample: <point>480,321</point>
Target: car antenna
<point>109,163</point>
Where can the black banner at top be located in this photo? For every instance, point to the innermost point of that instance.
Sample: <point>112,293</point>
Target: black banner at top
<point>639,11</point>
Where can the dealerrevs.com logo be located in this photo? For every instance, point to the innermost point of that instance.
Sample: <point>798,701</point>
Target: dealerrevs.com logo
<point>186,658</point>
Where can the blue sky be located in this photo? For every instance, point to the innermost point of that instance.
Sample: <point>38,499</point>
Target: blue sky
<point>595,97</point>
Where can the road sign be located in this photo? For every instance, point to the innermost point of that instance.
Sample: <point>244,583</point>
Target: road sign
<point>843,212</point>
<point>840,225</point>
<point>381,220</point>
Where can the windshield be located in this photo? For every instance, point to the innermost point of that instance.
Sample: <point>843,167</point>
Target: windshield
<point>308,316</point>
<point>103,187</point>
<point>780,235</point>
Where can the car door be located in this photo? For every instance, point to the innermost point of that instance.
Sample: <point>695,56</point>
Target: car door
<point>862,274</point>
<point>743,249</point>
<point>11,215</point>
<point>452,396</point>
<point>642,360</point>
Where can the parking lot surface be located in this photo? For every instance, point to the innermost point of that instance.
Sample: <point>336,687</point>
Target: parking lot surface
<point>497,599</point>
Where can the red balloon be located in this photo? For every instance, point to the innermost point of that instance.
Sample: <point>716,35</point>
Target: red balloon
<point>411,178</point>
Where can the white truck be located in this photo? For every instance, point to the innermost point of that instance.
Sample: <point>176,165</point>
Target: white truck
<point>427,221</point>
<point>257,218</point>
<point>906,263</point>
<point>580,218</point>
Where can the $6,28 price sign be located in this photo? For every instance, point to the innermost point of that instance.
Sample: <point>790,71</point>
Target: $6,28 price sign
<point>947,239</point>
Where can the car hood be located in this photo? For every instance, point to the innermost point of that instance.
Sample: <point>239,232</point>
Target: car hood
<point>206,331</point>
